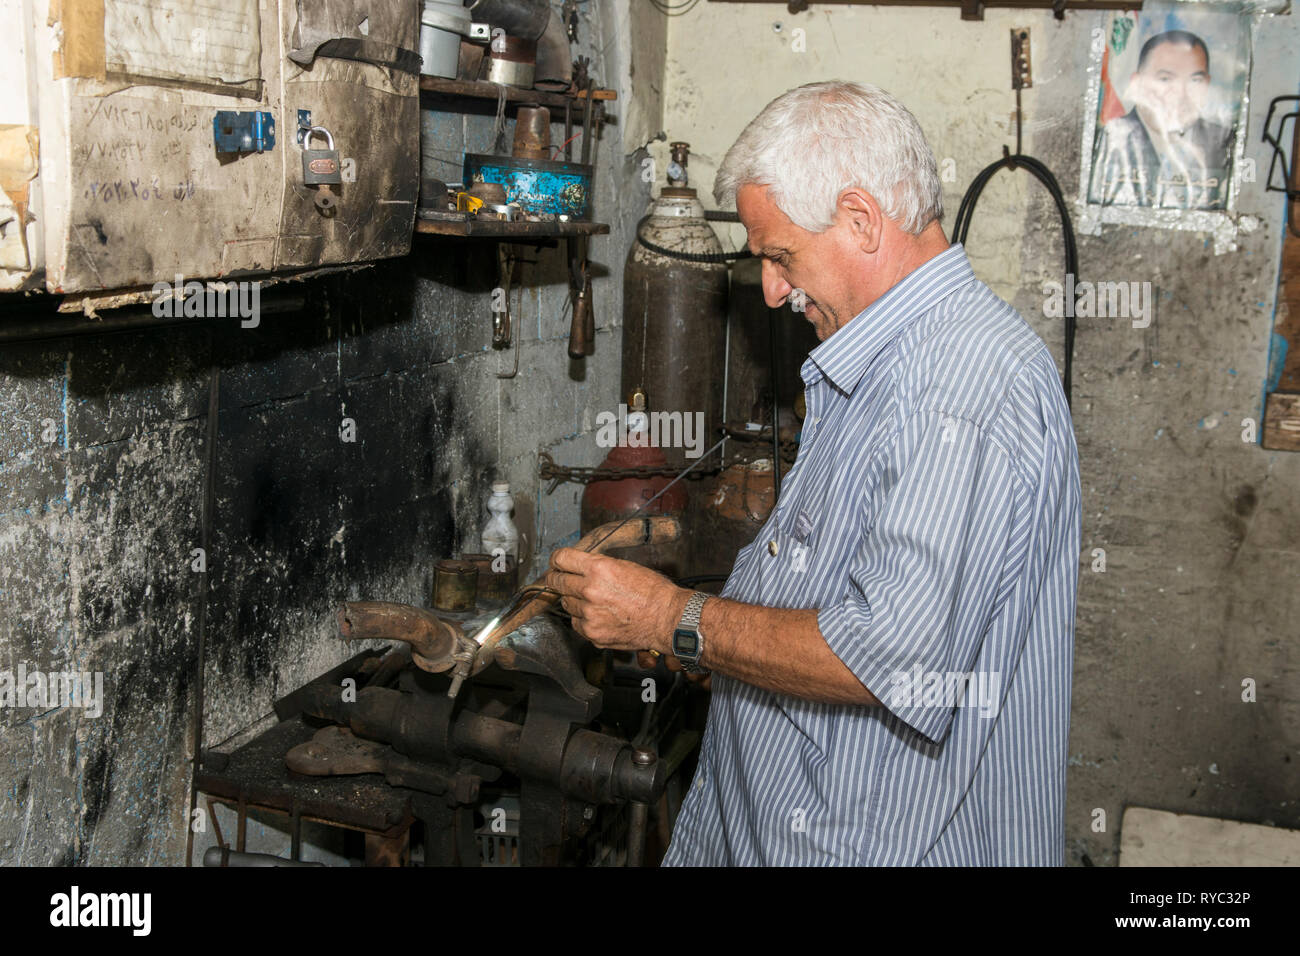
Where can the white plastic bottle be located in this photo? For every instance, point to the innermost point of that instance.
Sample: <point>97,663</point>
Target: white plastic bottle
<point>500,536</point>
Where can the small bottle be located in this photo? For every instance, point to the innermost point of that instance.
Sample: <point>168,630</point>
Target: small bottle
<point>500,536</point>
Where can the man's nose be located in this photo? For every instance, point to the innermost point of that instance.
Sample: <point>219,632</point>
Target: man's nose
<point>775,289</point>
<point>1187,93</point>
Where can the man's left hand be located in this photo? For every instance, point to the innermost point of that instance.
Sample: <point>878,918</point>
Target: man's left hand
<point>617,604</point>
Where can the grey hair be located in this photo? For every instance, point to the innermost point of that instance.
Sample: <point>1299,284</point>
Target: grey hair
<point>813,142</point>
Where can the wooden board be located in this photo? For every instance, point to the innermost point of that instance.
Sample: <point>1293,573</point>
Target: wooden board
<point>1288,314</point>
<point>1282,422</point>
<point>494,229</point>
<point>1160,838</point>
<point>480,89</point>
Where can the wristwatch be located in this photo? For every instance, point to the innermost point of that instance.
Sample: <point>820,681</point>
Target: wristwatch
<point>688,640</point>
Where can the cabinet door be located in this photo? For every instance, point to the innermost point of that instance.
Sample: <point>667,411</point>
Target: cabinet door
<point>131,188</point>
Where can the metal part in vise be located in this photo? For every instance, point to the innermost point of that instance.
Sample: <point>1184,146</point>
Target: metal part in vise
<point>551,747</point>
<point>437,644</point>
<point>532,600</point>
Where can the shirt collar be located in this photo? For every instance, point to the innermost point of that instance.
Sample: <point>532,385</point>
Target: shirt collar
<point>843,359</point>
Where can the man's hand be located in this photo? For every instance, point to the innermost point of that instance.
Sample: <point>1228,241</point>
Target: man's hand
<point>617,604</point>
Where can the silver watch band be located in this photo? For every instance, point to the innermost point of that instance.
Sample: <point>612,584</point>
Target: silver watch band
<point>694,607</point>
<point>691,621</point>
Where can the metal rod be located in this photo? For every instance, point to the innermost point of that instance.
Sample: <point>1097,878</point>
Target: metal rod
<point>524,593</point>
<point>638,815</point>
<point>680,475</point>
<point>129,319</point>
<point>205,542</point>
<point>568,131</point>
<point>1019,123</point>
<point>295,832</point>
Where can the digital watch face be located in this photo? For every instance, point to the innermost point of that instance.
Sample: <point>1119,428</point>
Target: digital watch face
<point>685,643</point>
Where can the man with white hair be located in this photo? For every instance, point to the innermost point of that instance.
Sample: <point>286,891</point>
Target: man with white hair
<point>892,655</point>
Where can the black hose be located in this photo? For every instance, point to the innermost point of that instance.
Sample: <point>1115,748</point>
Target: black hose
<point>776,406</point>
<point>697,579</point>
<point>1044,175</point>
<point>708,257</point>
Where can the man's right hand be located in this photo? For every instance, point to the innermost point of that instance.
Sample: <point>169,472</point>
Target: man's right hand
<point>647,660</point>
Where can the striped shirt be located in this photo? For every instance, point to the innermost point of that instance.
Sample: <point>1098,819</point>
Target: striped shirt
<point>932,518</point>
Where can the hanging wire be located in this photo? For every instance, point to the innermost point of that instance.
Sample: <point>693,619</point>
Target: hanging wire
<point>677,9</point>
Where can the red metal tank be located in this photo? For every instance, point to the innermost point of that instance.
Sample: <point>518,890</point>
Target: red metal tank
<point>612,500</point>
<point>604,501</point>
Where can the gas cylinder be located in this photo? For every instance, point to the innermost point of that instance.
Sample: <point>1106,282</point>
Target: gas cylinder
<point>675,324</point>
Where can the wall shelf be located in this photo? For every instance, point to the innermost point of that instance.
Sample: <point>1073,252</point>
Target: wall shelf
<point>451,224</point>
<point>574,104</point>
<point>434,86</point>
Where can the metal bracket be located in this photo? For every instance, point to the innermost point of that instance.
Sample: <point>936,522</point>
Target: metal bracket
<point>1280,157</point>
<point>304,127</point>
<point>1290,167</point>
<point>234,131</point>
<point>1022,77</point>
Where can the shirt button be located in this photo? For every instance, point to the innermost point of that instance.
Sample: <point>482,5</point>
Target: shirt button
<point>772,548</point>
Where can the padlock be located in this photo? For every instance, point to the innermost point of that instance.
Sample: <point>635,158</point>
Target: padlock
<point>320,169</point>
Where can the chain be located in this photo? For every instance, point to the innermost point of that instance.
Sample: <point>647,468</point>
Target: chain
<point>548,470</point>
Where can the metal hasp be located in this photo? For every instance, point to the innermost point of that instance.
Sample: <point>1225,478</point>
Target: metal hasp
<point>239,132</point>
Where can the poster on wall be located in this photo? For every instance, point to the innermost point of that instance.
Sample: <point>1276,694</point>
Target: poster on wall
<point>1167,106</point>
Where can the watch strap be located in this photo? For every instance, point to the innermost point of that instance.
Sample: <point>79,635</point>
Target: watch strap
<point>690,621</point>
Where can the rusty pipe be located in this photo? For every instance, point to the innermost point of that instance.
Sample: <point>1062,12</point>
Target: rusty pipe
<point>433,640</point>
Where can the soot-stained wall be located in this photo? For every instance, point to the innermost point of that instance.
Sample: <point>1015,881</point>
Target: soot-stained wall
<point>98,526</point>
<point>101,489</point>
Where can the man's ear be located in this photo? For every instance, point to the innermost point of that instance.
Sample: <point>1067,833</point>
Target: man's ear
<point>864,218</point>
<point>1136,89</point>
